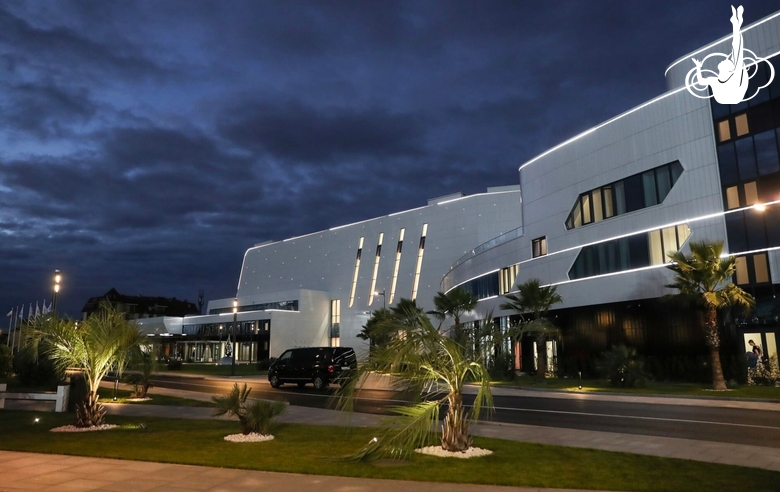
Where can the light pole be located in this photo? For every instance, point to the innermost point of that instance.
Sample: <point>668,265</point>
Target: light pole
<point>57,278</point>
<point>235,315</point>
<point>384,298</point>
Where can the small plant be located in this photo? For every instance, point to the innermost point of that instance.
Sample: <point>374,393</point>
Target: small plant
<point>142,381</point>
<point>256,417</point>
<point>622,366</point>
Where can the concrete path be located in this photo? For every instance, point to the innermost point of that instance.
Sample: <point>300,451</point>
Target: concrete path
<point>54,472</point>
<point>707,451</point>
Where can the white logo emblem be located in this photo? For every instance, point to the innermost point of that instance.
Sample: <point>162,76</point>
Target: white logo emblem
<point>730,83</point>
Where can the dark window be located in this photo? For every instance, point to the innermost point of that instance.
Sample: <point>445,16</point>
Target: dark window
<point>746,159</point>
<point>773,232</point>
<point>754,227</point>
<point>483,287</point>
<point>735,229</point>
<point>766,153</point>
<point>539,246</point>
<point>634,193</point>
<point>648,188</point>
<point>727,162</point>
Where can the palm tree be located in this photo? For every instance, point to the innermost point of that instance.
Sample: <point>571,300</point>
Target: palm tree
<point>255,417</point>
<point>104,341</point>
<point>704,280</point>
<point>421,359</point>
<point>372,330</point>
<point>537,300</point>
<point>454,304</point>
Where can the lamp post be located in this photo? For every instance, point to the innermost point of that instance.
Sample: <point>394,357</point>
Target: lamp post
<point>57,278</point>
<point>235,316</point>
<point>384,298</point>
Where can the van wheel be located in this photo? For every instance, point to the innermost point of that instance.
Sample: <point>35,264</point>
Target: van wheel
<point>275,383</point>
<point>320,383</point>
<point>301,384</point>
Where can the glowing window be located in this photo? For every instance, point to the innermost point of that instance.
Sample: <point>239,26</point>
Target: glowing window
<point>742,270</point>
<point>335,322</point>
<point>751,193</point>
<point>724,133</point>
<point>417,269</point>
<point>376,267</point>
<point>397,264</point>
<point>539,246</point>
<point>761,268</point>
<point>507,278</point>
<point>741,122</point>
<point>357,269</point>
<point>732,197</point>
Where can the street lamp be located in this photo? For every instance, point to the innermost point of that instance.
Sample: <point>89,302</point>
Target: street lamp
<point>235,315</point>
<point>57,278</point>
<point>384,298</point>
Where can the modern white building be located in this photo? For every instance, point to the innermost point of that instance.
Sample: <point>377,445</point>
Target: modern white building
<point>595,216</point>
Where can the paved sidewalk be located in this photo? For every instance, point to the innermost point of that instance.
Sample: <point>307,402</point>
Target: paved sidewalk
<point>60,473</point>
<point>707,451</point>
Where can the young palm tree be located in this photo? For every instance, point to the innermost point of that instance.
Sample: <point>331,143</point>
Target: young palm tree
<point>255,417</point>
<point>454,304</point>
<point>422,358</point>
<point>703,279</point>
<point>102,342</point>
<point>537,300</point>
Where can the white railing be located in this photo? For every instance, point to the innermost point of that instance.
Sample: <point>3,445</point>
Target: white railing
<point>60,398</point>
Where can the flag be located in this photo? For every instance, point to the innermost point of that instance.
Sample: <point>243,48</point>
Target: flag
<point>44,310</point>
<point>21,312</point>
<point>29,312</point>
<point>37,309</point>
<point>10,313</point>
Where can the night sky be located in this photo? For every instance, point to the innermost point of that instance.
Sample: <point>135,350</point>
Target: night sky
<point>146,145</point>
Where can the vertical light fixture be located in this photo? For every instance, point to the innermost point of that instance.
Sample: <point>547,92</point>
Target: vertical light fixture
<point>378,255</point>
<point>57,278</point>
<point>397,263</point>
<point>420,252</point>
<point>235,347</point>
<point>357,269</point>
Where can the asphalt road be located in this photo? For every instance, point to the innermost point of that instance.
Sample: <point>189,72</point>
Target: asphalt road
<point>739,426</point>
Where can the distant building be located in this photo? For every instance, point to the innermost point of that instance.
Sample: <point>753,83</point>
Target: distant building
<point>137,307</point>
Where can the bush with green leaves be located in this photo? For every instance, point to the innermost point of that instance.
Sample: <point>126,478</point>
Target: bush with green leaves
<point>765,373</point>
<point>141,381</point>
<point>622,366</point>
<point>255,417</point>
<point>6,361</point>
<point>35,371</point>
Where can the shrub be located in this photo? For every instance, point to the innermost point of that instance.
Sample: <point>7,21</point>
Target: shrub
<point>622,366</point>
<point>174,364</point>
<point>35,371</point>
<point>255,417</point>
<point>6,361</point>
<point>765,373</point>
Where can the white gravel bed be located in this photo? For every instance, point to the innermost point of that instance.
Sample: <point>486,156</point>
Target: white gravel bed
<point>251,437</point>
<point>73,428</point>
<point>139,399</point>
<point>471,452</point>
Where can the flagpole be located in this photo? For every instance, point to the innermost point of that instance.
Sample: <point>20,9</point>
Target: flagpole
<point>19,343</point>
<point>10,324</point>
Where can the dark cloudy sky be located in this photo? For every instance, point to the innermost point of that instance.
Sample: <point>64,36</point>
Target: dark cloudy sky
<point>146,145</point>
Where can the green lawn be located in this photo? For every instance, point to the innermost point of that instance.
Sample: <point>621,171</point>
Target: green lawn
<point>656,388</point>
<point>210,369</point>
<point>308,449</point>
<point>107,395</point>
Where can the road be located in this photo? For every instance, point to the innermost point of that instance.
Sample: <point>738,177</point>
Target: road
<point>729,425</point>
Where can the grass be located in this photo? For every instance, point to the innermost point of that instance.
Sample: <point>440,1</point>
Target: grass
<point>651,388</point>
<point>210,369</point>
<point>123,396</point>
<point>313,447</point>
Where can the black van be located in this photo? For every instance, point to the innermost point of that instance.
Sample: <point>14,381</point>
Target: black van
<point>318,365</point>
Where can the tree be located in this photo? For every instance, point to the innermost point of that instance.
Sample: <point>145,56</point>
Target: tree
<point>454,304</point>
<point>537,300</point>
<point>373,331</point>
<point>104,341</point>
<point>421,358</point>
<point>703,280</point>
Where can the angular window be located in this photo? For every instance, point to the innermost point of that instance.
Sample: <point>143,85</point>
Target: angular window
<point>539,246</point>
<point>585,202</point>
<point>741,123</point>
<point>663,179</point>
<point>355,275</point>
<point>507,279</point>
<point>609,209</point>
<point>598,212</point>
<point>376,268</point>
<point>724,133</point>
<point>397,264</point>
<point>656,248</point>
<point>648,188</point>
<point>418,268</point>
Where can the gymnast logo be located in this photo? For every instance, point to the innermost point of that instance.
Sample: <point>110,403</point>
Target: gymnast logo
<point>730,83</point>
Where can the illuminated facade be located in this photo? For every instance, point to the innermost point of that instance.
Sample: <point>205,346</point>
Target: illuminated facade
<point>595,216</point>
